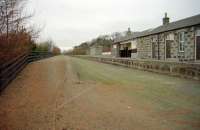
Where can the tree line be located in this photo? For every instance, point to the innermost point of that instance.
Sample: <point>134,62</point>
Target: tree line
<point>103,40</point>
<point>17,36</point>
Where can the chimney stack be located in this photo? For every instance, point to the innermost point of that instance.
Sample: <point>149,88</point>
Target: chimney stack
<point>165,20</point>
<point>129,31</point>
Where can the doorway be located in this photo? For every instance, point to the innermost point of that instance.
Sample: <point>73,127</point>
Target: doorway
<point>168,49</point>
<point>125,53</point>
<point>153,50</point>
<point>197,47</point>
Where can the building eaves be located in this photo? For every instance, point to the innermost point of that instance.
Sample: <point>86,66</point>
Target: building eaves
<point>187,22</point>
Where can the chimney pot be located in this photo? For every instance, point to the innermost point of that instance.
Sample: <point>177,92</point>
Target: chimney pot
<point>129,31</point>
<point>165,15</point>
<point>166,20</point>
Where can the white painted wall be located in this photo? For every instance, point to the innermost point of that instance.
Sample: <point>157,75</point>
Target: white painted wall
<point>198,32</point>
<point>134,44</point>
<point>106,53</point>
<point>114,46</point>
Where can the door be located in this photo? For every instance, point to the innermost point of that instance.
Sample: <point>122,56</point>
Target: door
<point>198,48</point>
<point>168,49</point>
<point>153,50</point>
<point>126,51</point>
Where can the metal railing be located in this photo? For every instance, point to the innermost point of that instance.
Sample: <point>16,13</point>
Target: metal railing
<point>9,70</point>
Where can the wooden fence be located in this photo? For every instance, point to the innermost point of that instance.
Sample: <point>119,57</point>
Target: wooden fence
<point>180,69</point>
<point>9,70</point>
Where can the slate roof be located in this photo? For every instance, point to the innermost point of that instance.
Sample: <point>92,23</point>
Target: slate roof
<point>125,38</point>
<point>187,22</point>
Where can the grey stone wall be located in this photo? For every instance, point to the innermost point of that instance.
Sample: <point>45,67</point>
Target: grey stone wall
<point>154,46</point>
<point>189,53</point>
<point>144,47</point>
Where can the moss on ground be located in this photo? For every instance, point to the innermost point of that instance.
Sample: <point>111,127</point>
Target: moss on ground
<point>165,93</point>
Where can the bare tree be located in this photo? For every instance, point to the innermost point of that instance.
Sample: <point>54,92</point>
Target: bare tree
<point>13,21</point>
<point>11,16</point>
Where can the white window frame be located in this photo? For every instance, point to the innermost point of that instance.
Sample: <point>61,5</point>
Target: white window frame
<point>134,44</point>
<point>181,41</point>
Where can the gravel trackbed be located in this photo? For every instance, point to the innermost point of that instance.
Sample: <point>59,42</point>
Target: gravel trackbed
<point>64,93</point>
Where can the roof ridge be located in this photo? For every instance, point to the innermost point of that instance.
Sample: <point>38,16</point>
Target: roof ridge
<point>186,22</point>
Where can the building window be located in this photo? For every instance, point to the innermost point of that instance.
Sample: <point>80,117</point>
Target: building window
<point>182,41</point>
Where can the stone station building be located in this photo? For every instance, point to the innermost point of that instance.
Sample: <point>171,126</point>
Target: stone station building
<point>175,41</point>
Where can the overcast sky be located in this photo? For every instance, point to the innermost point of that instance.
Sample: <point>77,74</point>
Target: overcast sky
<point>70,22</point>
